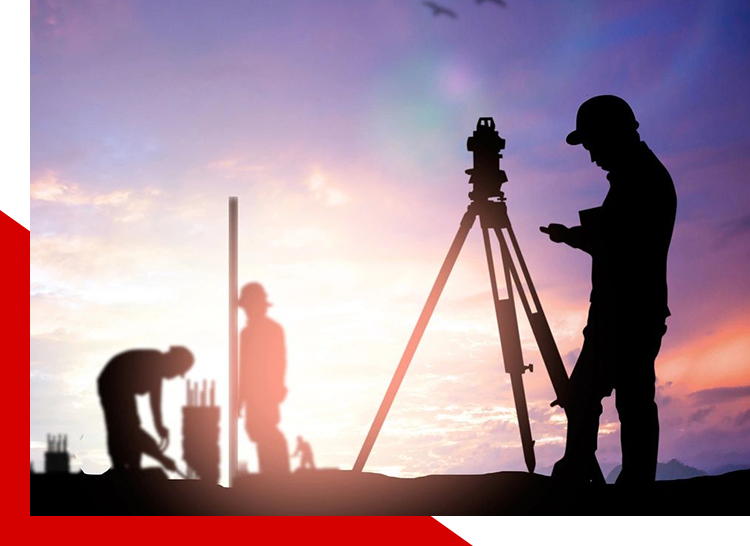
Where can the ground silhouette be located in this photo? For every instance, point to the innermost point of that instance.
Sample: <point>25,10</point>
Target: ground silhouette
<point>337,492</point>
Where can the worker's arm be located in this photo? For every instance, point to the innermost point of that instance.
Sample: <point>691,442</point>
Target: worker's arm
<point>155,398</point>
<point>574,236</point>
<point>280,365</point>
<point>149,447</point>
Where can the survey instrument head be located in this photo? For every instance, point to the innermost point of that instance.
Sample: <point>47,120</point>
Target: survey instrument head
<point>486,176</point>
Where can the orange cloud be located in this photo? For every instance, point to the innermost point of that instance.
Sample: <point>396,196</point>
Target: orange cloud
<point>718,359</point>
<point>130,205</point>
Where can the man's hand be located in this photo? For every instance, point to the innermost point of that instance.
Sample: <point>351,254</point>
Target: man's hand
<point>558,233</point>
<point>164,435</point>
<point>163,432</point>
<point>168,463</point>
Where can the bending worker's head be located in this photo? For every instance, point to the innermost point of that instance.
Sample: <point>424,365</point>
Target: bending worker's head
<point>253,299</point>
<point>607,128</point>
<point>177,361</point>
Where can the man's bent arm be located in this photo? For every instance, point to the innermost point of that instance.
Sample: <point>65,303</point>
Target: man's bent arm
<point>155,397</point>
<point>150,448</point>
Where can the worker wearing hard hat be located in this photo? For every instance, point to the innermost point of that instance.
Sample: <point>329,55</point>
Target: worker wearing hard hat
<point>262,388</point>
<point>126,375</point>
<point>628,239</point>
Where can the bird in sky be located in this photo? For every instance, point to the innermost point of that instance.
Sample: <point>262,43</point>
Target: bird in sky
<point>500,3</point>
<point>440,10</point>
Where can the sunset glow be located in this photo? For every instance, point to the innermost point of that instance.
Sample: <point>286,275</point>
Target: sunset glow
<point>342,130</point>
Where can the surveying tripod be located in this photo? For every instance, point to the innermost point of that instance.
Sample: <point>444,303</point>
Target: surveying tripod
<point>489,204</point>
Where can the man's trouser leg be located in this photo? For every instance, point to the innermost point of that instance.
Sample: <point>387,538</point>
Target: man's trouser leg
<point>583,408</point>
<point>261,424</point>
<point>123,426</point>
<point>308,462</point>
<point>635,391</point>
<point>273,453</point>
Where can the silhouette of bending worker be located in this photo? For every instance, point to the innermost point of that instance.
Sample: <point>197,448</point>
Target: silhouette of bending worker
<point>126,375</point>
<point>304,450</point>
<point>262,389</point>
<point>628,239</point>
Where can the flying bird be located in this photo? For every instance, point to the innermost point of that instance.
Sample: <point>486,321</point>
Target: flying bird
<point>440,10</point>
<point>500,3</point>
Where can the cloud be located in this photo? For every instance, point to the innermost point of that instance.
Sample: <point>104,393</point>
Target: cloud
<point>742,419</point>
<point>89,268</point>
<point>322,190</point>
<point>709,447</point>
<point>737,227</point>
<point>699,416</point>
<point>716,358</point>
<point>128,205</point>
<point>719,394</point>
<point>78,26</point>
<point>49,187</point>
<point>233,167</point>
<point>571,357</point>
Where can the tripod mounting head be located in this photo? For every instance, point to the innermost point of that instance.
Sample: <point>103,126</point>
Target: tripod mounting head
<point>486,176</point>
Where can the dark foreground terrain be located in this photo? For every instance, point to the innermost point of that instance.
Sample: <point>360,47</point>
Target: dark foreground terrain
<point>334,492</point>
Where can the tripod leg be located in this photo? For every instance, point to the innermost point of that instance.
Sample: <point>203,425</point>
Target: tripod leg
<point>522,412</point>
<point>510,340</point>
<point>411,347</point>
<point>539,325</point>
<point>542,332</point>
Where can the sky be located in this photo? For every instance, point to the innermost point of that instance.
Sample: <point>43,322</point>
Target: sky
<point>341,127</point>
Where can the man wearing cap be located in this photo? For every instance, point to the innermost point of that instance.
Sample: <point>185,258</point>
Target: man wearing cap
<point>134,372</point>
<point>262,389</point>
<point>628,239</point>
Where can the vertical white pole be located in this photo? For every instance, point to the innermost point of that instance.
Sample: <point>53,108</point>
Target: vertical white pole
<point>233,341</point>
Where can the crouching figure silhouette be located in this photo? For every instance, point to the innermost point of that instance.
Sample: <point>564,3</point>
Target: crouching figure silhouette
<point>126,375</point>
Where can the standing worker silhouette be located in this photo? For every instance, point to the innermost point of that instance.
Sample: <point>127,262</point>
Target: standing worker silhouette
<point>126,375</point>
<point>262,389</point>
<point>628,239</point>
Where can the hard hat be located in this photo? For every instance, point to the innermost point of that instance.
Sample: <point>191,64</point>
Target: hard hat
<point>602,115</point>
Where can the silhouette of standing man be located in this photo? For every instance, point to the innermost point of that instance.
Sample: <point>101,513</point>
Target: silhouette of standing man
<point>628,239</point>
<point>262,389</point>
<point>126,375</point>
